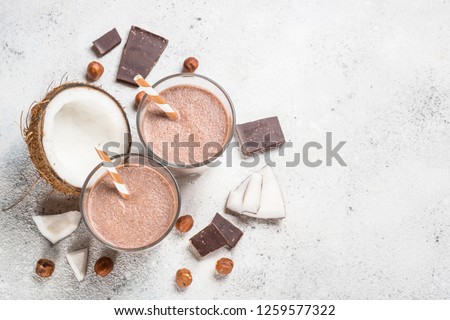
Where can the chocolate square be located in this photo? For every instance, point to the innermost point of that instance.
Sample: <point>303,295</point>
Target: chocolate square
<point>141,53</point>
<point>107,42</point>
<point>208,240</point>
<point>260,135</point>
<point>229,231</point>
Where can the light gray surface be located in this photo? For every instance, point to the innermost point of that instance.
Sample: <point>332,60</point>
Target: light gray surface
<point>375,73</point>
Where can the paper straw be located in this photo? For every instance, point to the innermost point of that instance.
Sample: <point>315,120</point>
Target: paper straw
<point>117,179</point>
<point>157,99</point>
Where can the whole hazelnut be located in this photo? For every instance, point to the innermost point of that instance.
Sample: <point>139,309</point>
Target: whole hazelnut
<point>94,71</point>
<point>183,278</point>
<point>44,268</point>
<point>184,223</point>
<point>138,98</point>
<point>190,64</point>
<point>224,266</point>
<point>103,266</point>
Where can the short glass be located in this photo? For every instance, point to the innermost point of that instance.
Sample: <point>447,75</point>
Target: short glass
<point>197,81</point>
<point>120,160</point>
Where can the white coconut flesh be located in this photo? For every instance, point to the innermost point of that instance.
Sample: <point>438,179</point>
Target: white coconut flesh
<point>258,196</point>
<point>76,120</point>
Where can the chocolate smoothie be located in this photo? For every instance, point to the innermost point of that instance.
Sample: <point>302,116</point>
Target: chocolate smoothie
<point>142,218</point>
<point>201,114</point>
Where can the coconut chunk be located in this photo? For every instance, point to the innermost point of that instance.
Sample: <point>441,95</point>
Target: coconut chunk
<point>272,203</point>
<point>258,196</point>
<point>58,226</point>
<point>64,128</point>
<point>76,120</point>
<point>252,196</point>
<point>236,197</point>
<point>78,262</point>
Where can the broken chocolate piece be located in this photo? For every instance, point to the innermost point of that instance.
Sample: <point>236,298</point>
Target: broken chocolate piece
<point>219,233</point>
<point>229,231</point>
<point>208,240</point>
<point>260,135</point>
<point>140,54</point>
<point>107,42</point>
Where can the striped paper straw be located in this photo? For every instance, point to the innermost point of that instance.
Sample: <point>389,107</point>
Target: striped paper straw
<point>160,102</point>
<point>117,179</point>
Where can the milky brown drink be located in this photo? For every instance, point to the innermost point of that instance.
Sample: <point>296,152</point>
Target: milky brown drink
<point>141,219</point>
<point>202,124</point>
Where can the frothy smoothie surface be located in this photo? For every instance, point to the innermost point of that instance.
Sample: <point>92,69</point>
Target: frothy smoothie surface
<point>139,220</point>
<point>200,113</point>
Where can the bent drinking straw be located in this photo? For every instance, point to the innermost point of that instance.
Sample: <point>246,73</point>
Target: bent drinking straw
<point>157,99</point>
<point>117,179</point>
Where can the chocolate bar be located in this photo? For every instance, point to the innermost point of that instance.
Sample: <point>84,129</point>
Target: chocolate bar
<point>141,53</point>
<point>208,240</point>
<point>259,135</point>
<point>107,42</point>
<point>229,231</point>
<point>220,232</point>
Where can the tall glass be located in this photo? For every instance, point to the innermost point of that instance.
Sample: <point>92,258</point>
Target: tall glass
<point>208,85</point>
<point>140,221</point>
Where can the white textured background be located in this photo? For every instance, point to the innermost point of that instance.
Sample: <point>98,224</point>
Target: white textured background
<point>375,73</point>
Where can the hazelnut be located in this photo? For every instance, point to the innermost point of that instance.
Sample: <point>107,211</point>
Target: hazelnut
<point>190,64</point>
<point>94,71</point>
<point>224,266</point>
<point>184,223</point>
<point>184,278</point>
<point>103,266</point>
<point>44,268</point>
<point>138,98</point>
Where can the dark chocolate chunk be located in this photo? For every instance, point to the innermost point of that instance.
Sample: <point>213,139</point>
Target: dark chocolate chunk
<point>229,231</point>
<point>260,135</point>
<point>107,42</point>
<point>140,54</point>
<point>208,240</point>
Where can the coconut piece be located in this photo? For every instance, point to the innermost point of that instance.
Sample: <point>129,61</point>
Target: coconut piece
<point>58,226</point>
<point>64,127</point>
<point>252,195</point>
<point>236,197</point>
<point>78,262</point>
<point>258,196</point>
<point>272,203</point>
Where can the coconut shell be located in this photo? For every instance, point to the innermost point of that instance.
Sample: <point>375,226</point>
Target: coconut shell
<point>33,134</point>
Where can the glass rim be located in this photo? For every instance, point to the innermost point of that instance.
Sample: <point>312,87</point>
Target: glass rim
<point>225,145</point>
<point>163,236</point>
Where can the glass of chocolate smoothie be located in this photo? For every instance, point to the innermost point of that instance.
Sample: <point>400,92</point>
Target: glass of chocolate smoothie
<point>143,219</point>
<point>203,130</point>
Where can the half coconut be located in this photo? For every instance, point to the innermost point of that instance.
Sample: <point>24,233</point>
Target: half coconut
<point>64,128</point>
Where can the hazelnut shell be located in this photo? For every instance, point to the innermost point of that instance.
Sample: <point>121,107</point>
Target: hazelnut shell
<point>138,98</point>
<point>184,223</point>
<point>45,268</point>
<point>94,71</point>
<point>224,266</point>
<point>103,266</point>
<point>190,64</point>
<point>183,278</point>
